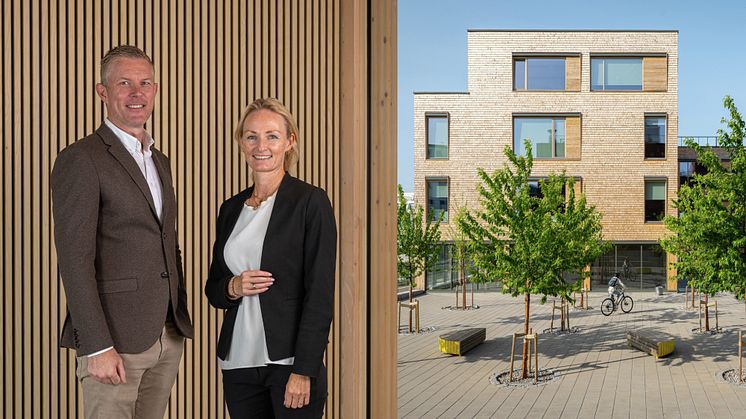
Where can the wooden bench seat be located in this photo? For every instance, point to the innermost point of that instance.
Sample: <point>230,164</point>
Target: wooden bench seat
<point>652,342</point>
<point>461,341</point>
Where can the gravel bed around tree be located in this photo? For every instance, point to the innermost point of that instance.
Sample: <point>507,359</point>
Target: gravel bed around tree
<point>712,331</point>
<point>454,308</point>
<point>404,330</point>
<point>731,377</point>
<point>558,332</point>
<point>546,376</point>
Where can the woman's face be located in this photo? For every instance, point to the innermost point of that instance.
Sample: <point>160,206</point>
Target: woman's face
<point>265,141</point>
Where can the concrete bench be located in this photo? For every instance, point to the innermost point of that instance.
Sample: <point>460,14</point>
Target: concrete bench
<point>461,341</point>
<point>652,342</point>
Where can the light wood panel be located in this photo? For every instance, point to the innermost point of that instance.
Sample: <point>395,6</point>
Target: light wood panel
<point>382,275</point>
<point>671,281</point>
<point>655,74</point>
<point>572,74</point>
<point>572,138</point>
<point>332,63</point>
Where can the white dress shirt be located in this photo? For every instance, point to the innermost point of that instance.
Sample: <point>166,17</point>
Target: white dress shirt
<point>144,159</point>
<point>243,251</point>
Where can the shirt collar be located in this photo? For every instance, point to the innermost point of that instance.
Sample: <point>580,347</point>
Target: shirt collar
<point>132,144</point>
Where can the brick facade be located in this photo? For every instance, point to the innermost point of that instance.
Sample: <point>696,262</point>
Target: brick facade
<point>611,165</point>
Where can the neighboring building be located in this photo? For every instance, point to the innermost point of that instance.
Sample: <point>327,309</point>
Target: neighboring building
<point>602,105</point>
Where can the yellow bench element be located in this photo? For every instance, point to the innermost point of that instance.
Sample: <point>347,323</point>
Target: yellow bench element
<point>651,342</point>
<point>461,341</point>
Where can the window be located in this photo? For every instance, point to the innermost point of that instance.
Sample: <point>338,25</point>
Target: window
<point>437,199</point>
<point>686,171</point>
<point>437,136</point>
<point>534,191</point>
<point>546,135</point>
<point>444,274</point>
<point>616,73</point>
<point>655,137</point>
<point>539,74</point>
<point>655,200</point>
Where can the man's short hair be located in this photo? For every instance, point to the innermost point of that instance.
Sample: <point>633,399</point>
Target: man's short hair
<point>122,51</point>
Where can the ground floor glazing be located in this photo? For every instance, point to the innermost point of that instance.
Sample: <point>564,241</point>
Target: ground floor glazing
<point>640,265</point>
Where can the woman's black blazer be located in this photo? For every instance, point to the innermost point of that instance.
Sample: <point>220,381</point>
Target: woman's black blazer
<point>300,250</point>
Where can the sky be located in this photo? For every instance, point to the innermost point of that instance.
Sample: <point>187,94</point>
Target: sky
<point>712,50</point>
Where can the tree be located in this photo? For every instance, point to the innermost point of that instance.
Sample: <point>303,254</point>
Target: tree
<point>709,235</point>
<point>417,245</point>
<point>530,242</point>
<point>460,253</point>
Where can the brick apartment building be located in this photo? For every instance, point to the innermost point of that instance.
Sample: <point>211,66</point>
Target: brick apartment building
<point>601,105</point>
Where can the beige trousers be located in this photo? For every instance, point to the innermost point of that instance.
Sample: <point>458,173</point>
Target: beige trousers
<point>150,377</point>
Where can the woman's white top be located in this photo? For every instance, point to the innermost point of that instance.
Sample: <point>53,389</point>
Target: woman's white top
<point>243,251</point>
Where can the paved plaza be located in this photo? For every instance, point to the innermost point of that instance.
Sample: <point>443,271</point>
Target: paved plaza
<point>598,375</point>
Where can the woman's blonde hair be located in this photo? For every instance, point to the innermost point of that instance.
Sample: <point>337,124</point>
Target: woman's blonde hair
<point>274,105</point>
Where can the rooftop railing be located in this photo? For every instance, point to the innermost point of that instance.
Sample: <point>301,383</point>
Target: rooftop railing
<point>702,140</point>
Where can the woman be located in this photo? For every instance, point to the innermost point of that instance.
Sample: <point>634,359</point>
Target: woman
<point>272,269</point>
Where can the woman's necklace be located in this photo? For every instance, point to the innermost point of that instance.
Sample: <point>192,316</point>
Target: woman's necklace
<point>255,200</point>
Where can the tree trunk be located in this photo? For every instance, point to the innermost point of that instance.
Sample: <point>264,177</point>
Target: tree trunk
<point>411,285</point>
<point>707,314</point>
<point>692,296</point>
<point>463,282</point>
<point>524,364</point>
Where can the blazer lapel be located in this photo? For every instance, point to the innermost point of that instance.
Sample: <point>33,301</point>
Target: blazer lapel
<point>233,212</point>
<point>116,148</point>
<point>167,190</point>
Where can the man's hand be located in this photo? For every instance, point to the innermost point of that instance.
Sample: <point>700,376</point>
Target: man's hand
<point>107,367</point>
<point>297,391</point>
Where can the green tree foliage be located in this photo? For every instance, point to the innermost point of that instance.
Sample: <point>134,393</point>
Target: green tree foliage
<point>417,241</point>
<point>529,243</point>
<point>709,235</point>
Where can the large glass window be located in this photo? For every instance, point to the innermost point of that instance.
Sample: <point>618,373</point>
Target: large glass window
<point>616,73</point>
<point>437,136</point>
<point>445,272</point>
<point>546,135</point>
<point>655,200</point>
<point>539,74</point>
<point>638,265</point>
<point>655,137</point>
<point>437,199</point>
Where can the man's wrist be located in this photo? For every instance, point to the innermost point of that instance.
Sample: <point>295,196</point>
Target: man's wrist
<point>100,352</point>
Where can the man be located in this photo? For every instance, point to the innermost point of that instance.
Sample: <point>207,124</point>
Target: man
<point>616,286</point>
<point>115,217</point>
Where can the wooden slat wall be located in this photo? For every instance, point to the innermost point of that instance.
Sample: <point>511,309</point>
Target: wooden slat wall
<point>212,59</point>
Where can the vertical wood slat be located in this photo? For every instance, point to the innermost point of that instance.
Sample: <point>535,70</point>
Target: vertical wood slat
<point>211,61</point>
<point>382,208</point>
<point>353,168</point>
<point>7,240</point>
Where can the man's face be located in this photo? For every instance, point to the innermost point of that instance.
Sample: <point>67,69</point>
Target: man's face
<point>129,93</point>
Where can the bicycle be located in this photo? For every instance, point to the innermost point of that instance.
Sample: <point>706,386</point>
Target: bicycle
<point>622,301</point>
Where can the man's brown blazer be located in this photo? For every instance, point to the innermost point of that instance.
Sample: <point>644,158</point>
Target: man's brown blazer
<point>120,264</point>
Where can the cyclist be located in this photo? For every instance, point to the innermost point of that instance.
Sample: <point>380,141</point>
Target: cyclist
<point>616,287</point>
